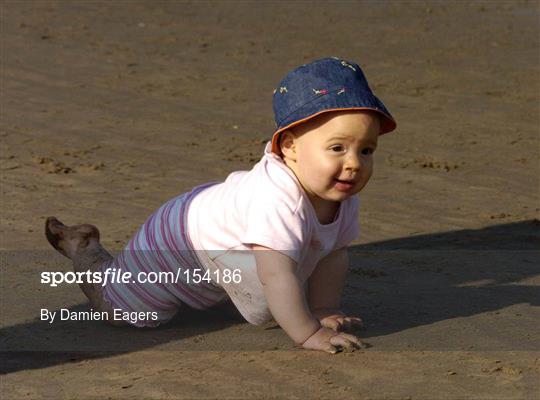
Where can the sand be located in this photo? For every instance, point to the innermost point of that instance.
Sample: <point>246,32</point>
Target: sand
<point>108,109</point>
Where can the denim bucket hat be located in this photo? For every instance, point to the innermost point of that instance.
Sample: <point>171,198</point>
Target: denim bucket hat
<point>329,84</point>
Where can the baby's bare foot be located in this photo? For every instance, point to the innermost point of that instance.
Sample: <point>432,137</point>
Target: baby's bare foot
<point>70,240</point>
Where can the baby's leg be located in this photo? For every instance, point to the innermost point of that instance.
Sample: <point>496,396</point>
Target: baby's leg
<point>80,243</point>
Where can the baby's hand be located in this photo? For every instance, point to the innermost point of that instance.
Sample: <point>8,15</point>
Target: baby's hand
<point>328,340</point>
<point>336,320</point>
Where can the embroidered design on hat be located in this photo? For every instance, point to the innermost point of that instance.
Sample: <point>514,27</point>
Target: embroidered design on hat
<point>283,89</point>
<point>346,64</point>
<point>322,91</point>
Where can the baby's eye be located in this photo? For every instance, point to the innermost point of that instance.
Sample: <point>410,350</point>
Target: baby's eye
<point>337,148</point>
<point>367,151</point>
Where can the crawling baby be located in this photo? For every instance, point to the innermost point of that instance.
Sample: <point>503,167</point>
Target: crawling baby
<point>273,239</point>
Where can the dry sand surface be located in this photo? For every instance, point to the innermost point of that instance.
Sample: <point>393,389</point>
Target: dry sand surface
<point>108,109</point>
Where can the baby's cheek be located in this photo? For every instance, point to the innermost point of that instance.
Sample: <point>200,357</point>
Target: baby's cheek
<point>368,167</point>
<point>326,171</point>
<point>319,179</point>
<point>367,171</point>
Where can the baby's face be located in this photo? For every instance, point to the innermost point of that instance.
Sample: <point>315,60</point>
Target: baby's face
<point>332,157</point>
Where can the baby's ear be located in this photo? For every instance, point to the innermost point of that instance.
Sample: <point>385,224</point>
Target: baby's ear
<point>287,144</point>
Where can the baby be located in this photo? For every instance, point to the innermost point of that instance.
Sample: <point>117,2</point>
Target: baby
<point>273,239</point>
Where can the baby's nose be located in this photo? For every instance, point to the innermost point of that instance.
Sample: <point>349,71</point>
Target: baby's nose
<point>352,163</point>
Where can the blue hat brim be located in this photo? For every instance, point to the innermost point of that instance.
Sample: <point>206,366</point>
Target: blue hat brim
<point>388,124</point>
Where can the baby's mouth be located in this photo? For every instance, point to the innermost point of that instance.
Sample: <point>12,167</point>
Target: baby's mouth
<point>344,185</point>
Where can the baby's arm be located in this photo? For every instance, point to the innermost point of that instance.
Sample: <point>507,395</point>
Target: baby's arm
<point>325,289</point>
<point>287,302</point>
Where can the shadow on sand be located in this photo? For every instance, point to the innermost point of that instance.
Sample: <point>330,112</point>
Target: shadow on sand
<point>395,285</point>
